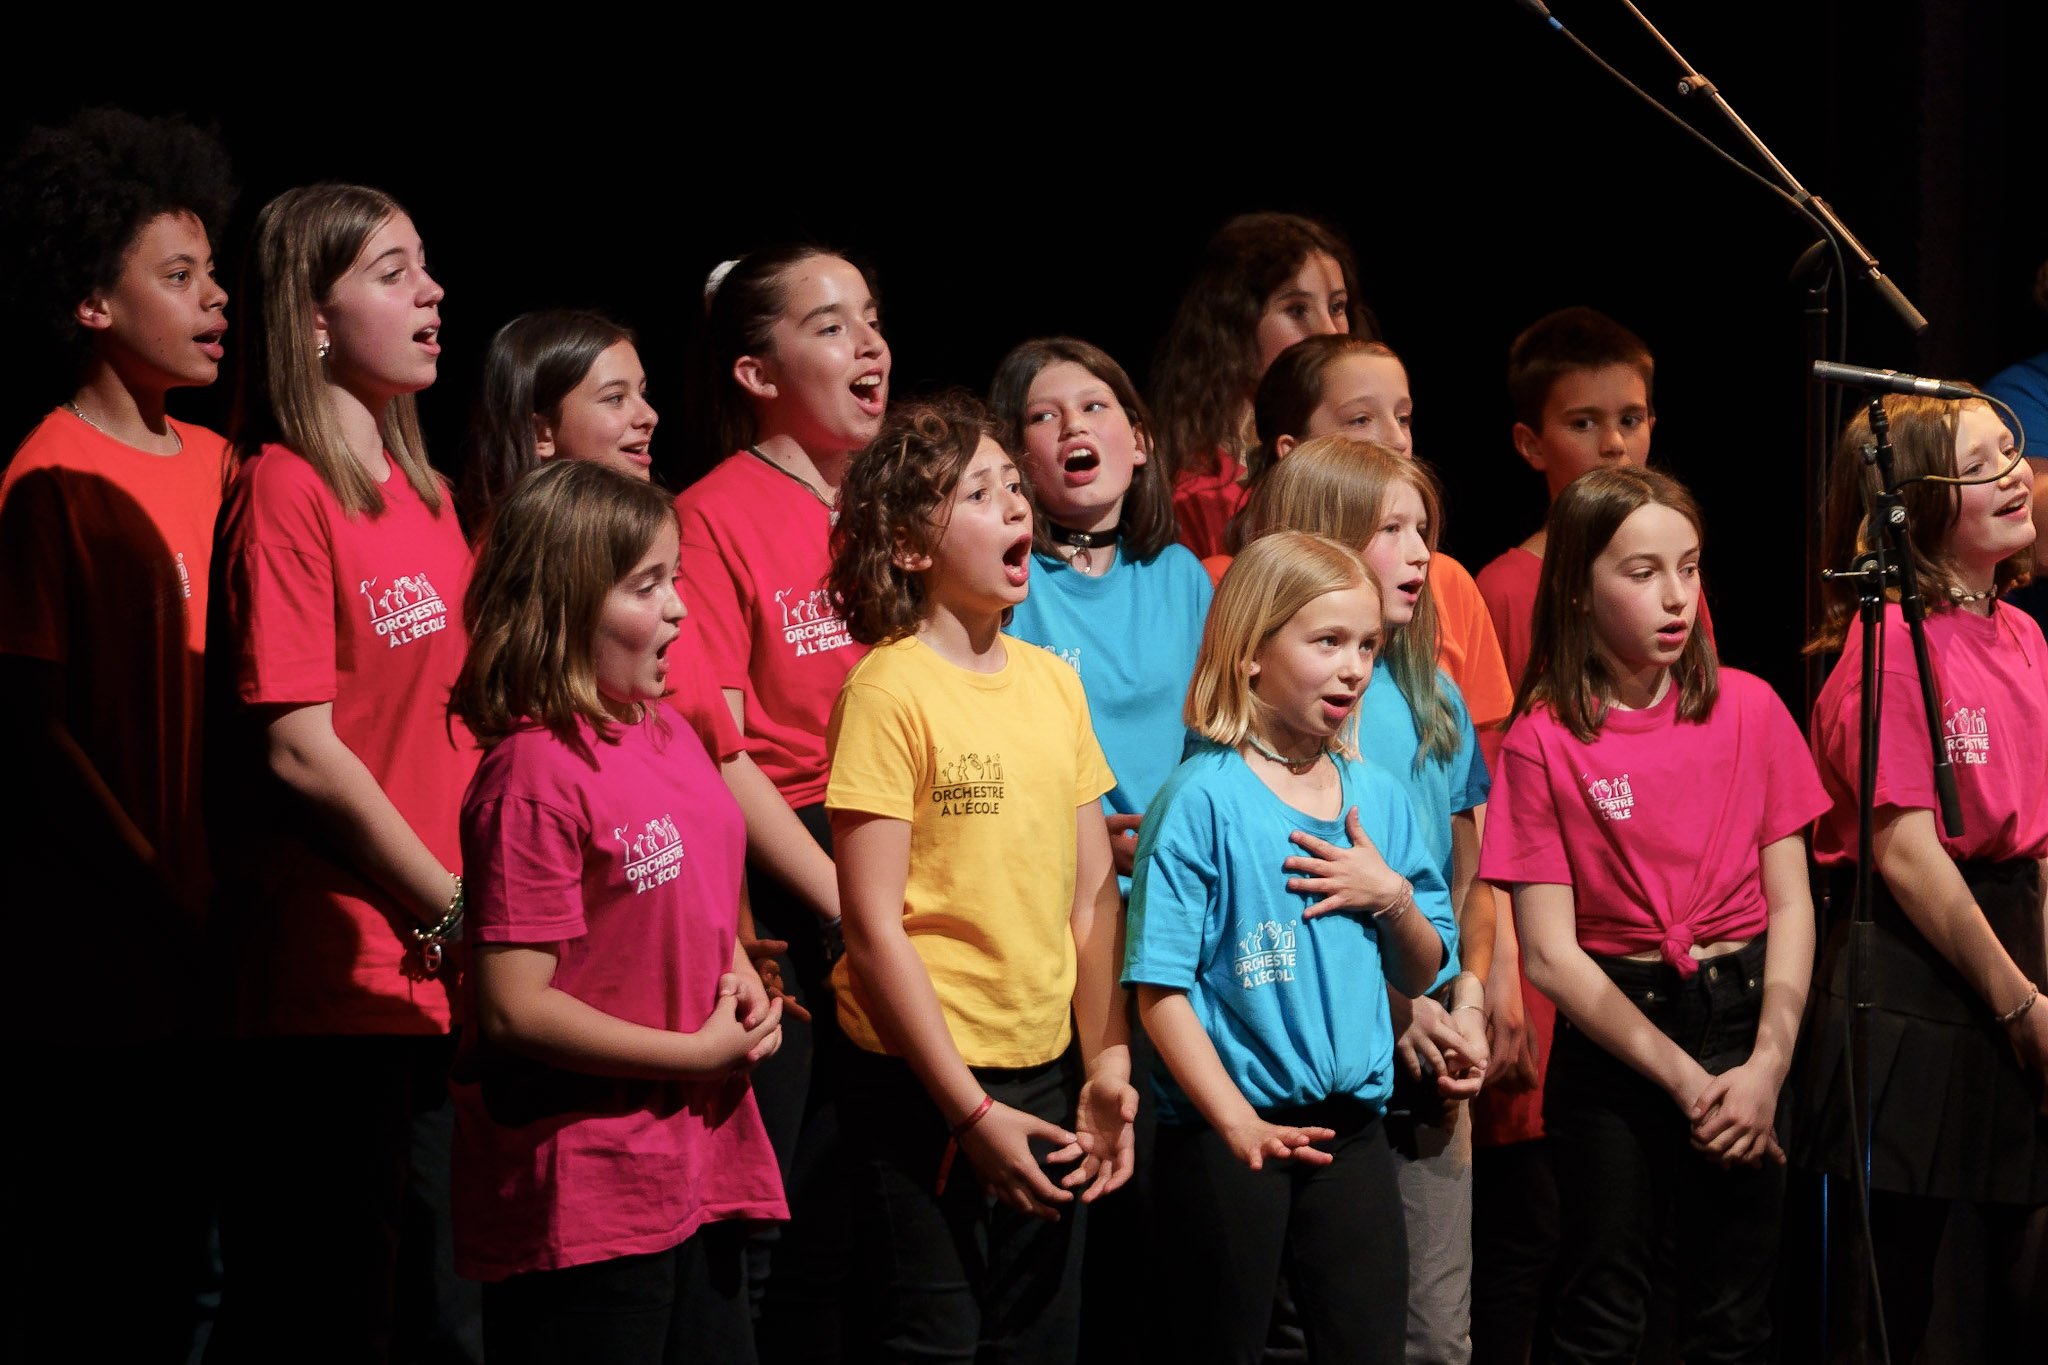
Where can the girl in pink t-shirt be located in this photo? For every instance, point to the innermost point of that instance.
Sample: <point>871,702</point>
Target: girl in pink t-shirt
<point>1648,815</point>
<point>334,782</point>
<point>606,1133</point>
<point>1958,1040</point>
<point>1266,280</point>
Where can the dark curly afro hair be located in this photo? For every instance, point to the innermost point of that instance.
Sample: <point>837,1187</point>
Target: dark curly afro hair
<point>76,198</point>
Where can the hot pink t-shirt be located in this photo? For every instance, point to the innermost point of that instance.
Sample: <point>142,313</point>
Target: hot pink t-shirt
<point>755,551</point>
<point>628,866</point>
<point>1991,689</point>
<point>1657,824</point>
<point>366,613</point>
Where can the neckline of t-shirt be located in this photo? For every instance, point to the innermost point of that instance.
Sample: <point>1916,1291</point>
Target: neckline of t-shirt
<point>153,459</point>
<point>1645,718</point>
<point>1316,823</point>
<point>988,682</point>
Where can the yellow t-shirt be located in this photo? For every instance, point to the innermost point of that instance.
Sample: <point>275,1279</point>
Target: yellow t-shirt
<point>989,769</point>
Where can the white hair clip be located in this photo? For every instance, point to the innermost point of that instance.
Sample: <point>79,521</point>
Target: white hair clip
<point>714,279</point>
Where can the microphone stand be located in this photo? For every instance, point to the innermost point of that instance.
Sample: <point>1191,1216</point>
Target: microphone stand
<point>1891,561</point>
<point>1691,82</point>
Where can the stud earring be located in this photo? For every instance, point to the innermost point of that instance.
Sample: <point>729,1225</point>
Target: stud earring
<point>324,347</point>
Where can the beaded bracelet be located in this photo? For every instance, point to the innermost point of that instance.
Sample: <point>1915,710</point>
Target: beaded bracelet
<point>2013,1015</point>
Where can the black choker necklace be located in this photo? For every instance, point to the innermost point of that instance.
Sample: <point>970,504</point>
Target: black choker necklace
<point>1082,543</point>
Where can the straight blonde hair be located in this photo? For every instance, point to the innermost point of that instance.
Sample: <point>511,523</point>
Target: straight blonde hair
<point>1339,486</point>
<point>306,240</point>
<point>1275,577</point>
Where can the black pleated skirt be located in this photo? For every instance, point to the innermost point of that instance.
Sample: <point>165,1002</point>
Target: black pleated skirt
<point>1954,1115</point>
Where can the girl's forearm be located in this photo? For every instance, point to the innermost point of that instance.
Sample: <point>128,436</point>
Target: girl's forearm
<point>1100,1003</point>
<point>1788,954</point>
<point>1472,898</point>
<point>1190,1055</point>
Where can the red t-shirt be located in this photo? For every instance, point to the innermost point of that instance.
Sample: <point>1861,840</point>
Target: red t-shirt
<point>1204,501</point>
<point>1657,824</point>
<point>1991,689</point>
<point>755,552</point>
<point>630,869</point>
<point>365,613</point>
<point>105,551</point>
<point>694,694</point>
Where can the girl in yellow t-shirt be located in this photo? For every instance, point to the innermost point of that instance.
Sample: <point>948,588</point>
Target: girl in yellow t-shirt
<point>981,910</point>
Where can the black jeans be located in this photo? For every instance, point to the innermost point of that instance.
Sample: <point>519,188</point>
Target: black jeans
<point>674,1307</point>
<point>1227,1231</point>
<point>1622,1153</point>
<point>957,1276</point>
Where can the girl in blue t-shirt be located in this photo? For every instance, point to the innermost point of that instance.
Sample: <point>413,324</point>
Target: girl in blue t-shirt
<point>1266,1007</point>
<point>1111,592</point>
<point>1415,726</point>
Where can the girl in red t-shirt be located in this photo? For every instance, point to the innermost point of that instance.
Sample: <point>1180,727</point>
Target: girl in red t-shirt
<point>1958,1039</point>
<point>335,782</point>
<point>797,377</point>
<point>1266,281</point>
<point>1649,816</point>
<point>616,1011</point>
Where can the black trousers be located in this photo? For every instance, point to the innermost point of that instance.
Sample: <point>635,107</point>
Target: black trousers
<point>676,1307</point>
<point>1228,1231</point>
<point>1622,1155</point>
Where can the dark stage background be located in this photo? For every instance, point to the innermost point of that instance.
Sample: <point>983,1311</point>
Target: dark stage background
<point>1060,173</point>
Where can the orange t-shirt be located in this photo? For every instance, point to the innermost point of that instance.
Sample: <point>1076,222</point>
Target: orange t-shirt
<point>104,550</point>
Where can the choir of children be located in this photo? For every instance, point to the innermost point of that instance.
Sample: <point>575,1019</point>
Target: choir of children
<point>1030,817</point>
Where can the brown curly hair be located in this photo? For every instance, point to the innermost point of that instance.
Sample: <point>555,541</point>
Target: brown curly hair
<point>892,500</point>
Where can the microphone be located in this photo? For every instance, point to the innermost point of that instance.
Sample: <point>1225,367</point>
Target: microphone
<point>1889,381</point>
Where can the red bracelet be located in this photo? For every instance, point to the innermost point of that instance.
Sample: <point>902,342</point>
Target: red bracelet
<point>988,1102</point>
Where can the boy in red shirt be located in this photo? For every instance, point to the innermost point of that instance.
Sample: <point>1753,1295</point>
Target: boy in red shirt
<point>106,528</point>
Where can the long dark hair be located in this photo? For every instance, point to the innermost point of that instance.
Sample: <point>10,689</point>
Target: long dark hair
<point>1208,361</point>
<point>535,361</point>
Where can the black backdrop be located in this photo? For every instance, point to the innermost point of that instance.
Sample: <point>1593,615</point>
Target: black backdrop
<point>1016,173</point>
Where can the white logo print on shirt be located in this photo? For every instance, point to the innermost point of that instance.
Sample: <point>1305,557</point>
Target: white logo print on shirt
<point>654,855</point>
<point>407,610</point>
<point>1266,954</point>
<point>1612,795</point>
<point>184,577</point>
<point>808,621</point>
<point>1968,736</point>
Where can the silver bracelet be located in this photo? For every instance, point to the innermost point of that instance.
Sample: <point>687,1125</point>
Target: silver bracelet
<point>2017,1012</point>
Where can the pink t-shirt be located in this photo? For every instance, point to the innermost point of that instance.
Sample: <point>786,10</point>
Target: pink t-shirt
<point>365,613</point>
<point>1991,689</point>
<point>755,551</point>
<point>630,871</point>
<point>1656,825</point>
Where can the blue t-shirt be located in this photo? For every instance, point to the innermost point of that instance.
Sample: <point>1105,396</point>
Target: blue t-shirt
<point>1132,635</point>
<point>1439,788</point>
<point>1297,1009</point>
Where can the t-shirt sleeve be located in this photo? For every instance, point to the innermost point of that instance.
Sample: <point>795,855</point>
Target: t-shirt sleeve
<point>1175,876</point>
<point>1524,841</point>
<point>712,592</point>
<point>1794,797</point>
<point>1489,696</point>
<point>1905,755</point>
<point>878,753</point>
<point>281,579</point>
<point>35,567</point>
<point>523,871</point>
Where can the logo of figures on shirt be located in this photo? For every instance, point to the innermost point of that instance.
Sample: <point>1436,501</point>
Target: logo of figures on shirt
<point>971,784</point>
<point>406,609</point>
<point>1611,795</point>
<point>654,853</point>
<point>1266,954</point>
<point>808,622</point>
<point>1070,657</point>
<point>1968,735</point>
